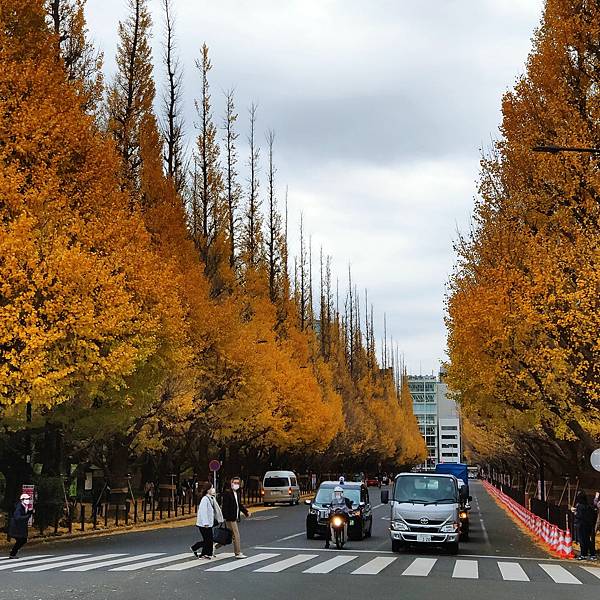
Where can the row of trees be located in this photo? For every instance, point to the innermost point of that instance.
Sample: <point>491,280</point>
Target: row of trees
<point>524,301</point>
<point>147,312</point>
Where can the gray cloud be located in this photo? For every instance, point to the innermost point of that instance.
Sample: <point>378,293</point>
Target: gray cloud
<point>380,109</point>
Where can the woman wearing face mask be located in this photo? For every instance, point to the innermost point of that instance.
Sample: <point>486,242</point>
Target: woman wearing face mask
<point>17,528</point>
<point>209,514</point>
<point>232,508</point>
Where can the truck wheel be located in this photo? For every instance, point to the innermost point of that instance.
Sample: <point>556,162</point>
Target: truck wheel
<point>453,548</point>
<point>396,546</point>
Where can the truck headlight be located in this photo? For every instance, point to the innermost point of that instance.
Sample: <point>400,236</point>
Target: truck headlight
<point>399,526</point>
<point>449,528</point>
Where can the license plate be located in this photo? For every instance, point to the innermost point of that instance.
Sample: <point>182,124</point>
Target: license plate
<point>323,514</point>
<point>423,537</point>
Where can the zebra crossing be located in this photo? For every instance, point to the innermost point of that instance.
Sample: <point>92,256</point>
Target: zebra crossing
<point>314,564</point>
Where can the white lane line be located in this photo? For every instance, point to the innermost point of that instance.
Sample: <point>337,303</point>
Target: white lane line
<point>375,566</point>
<point>190,564</point>
<point>66,563</point>
<point>378,506</point>
<point>595,571</point>
<point>282,565</point>
<point>512,571</point>
<point>289,537</point>
<point>326,550</point>
<point>466,569</point>
<point>420,567</point>
<point>330,565</point>
<point>152,563</point>
<point>110,563</point>
<point>560,574</point>
<point>22,563</point>
<point>485,533</point>
<point>265,517</point>
<point>242,562</point>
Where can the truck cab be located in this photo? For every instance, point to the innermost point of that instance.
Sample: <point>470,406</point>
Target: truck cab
<point>424,510</point>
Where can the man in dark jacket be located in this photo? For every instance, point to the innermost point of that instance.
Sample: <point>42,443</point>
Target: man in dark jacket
<point>585,521</point>
<point>232,507</point>
<point>17,528</point>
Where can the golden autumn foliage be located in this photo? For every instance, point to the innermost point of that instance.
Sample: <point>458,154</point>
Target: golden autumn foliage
<point>134,328</point>
<point>524,303</point>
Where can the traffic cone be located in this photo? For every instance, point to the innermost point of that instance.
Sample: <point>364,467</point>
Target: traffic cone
<point>554,539</point>
<point>568,548</point>
<point>560,549</point>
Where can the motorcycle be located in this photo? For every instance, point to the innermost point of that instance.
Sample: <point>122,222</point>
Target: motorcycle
<point>338,523</point>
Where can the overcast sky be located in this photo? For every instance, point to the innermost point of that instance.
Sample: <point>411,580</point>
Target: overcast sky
<point>380,109</point>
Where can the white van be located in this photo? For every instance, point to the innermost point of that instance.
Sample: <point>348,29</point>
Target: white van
<point>280,486</point>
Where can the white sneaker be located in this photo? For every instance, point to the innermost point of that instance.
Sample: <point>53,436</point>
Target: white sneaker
<point>240,555</point>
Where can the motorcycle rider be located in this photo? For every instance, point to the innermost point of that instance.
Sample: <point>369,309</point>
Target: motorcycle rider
<point>339,504</point>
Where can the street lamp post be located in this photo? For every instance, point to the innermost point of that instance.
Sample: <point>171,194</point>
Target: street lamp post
<point>552,149</point>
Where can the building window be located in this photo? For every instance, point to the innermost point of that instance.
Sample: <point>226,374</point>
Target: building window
<point>449,445</point>
<point>449,428</point>
<point>430,387</point>
<point>449,437</point>
<point>450,454</point>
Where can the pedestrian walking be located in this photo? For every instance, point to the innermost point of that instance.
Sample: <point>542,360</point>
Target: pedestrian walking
<point>585,525</point>
<point>232,509</point>
<point>18,525</point>
<point>209,515</point>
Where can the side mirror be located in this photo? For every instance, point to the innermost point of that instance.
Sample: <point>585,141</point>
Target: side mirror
<point>308,502</point>
<point>385,496</point>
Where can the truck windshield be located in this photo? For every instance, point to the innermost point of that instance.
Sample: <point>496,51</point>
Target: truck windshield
<point>425,490</point>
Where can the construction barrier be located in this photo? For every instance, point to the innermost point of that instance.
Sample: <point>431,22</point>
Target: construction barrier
<point>558,541</point>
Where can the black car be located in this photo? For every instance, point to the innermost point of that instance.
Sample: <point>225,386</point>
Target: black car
<point>360,522</point>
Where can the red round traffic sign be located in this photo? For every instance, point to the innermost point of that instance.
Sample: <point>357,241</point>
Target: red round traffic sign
<point>214,465</point>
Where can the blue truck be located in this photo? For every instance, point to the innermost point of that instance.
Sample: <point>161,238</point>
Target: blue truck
<point>460,471</point>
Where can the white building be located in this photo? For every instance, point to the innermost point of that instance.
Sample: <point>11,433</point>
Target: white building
<point>438,418</point>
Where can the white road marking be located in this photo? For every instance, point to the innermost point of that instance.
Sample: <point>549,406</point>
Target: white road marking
<point>190,564</point>
<point>109,563</point>
<point>21,563</point>
<point>420,567</point>
<point>30,557</point>
<point>331,564</point>
<point>151,563</point>
<point>66,563</point>
<point>466,569</point>
<point>282,565</point>
<point>265,517</point>
<point>512,571</point>
<point>378,506</point>
<point>324,550</point>
<point>289,537</point>
<point>595,571</point>
<point>560,574</point>
<point>375,566</point>
<point>242,562</point>
<point>485,533</point>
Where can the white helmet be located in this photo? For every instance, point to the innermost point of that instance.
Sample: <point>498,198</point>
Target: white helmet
<point>342,480</point>
<point>25,497</point>
<point>338,492</point>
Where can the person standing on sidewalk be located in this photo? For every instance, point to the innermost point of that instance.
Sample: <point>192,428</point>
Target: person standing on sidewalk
<point>18,526</point>
<point>232,509</point>
<point>207,517</point>
<point>585,525</point>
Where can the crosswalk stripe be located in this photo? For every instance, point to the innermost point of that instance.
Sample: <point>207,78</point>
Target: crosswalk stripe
<point>109,563</point>
<point>512,571</point>
<point>152,563</point>
<point>466,569</point>
<point>330,565</point>
<point>21,563</point>
<point>595,571</point>
<point>66,563</point>
<point>375,566</point>
<point>560,574</point>
<point>238,563</point>
<point>420,567</point>
<point>30,557</point>
<point>190,564</point>
<point>282,565</point>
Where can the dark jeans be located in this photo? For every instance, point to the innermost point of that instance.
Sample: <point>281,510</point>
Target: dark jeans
<point>587,543</point>
<point>206,543</point>
<point>19,543</point>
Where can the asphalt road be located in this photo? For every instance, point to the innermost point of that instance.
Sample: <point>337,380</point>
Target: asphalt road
<point>499,562</point>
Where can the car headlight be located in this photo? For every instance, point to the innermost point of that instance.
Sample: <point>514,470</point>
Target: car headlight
<point>449,528</point>
<point>399,526</point>
<point>313,511</point>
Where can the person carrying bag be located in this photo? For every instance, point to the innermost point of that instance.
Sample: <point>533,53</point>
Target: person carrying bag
<point>209,514</point>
